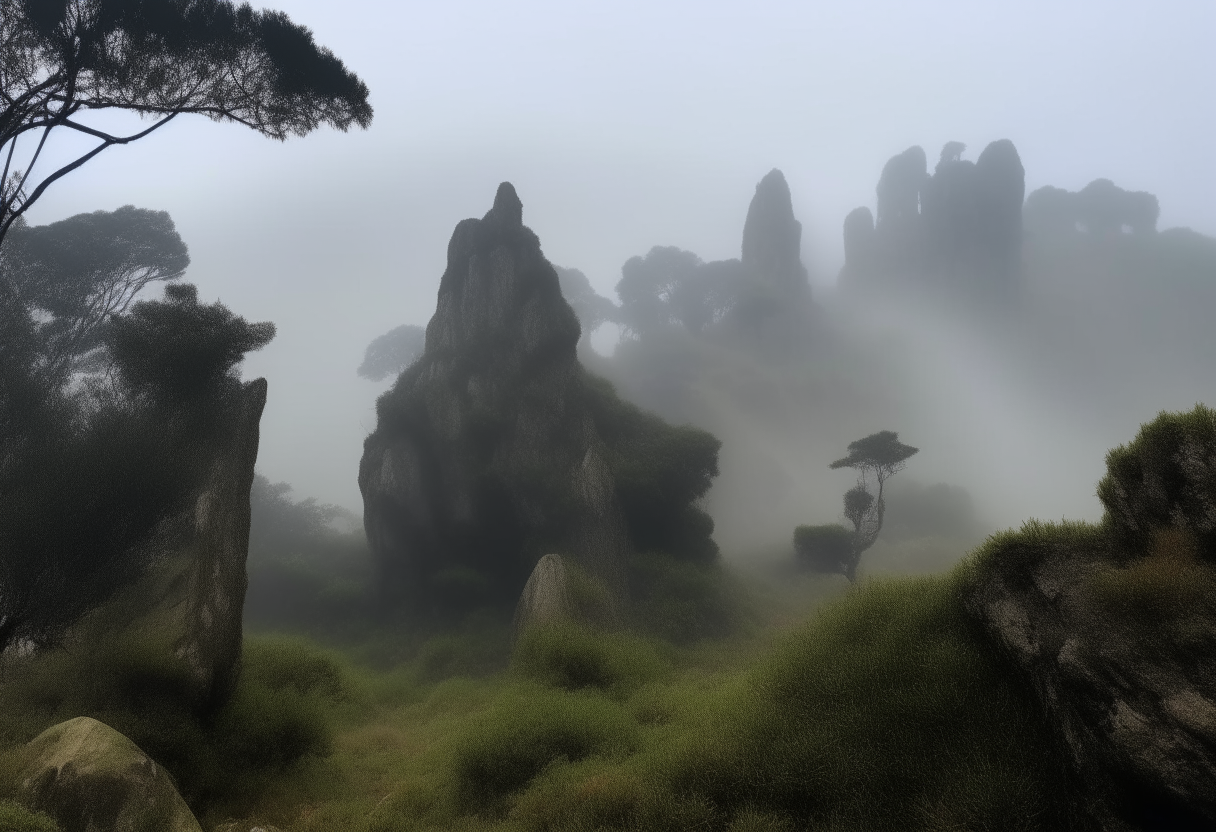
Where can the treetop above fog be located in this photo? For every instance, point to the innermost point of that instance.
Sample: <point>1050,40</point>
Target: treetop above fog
<point>60,60</point>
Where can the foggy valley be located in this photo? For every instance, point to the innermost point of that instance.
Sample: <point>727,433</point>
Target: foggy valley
<point>650,417</point>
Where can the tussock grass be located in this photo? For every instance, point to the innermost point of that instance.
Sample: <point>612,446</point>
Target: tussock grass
<point>572,657</point>
<point>883,711</point>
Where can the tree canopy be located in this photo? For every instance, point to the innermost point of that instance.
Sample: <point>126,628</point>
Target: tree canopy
<point>881,453</point>
<point>392,352</point>
<point>63,60</point>
<point>76,274</point>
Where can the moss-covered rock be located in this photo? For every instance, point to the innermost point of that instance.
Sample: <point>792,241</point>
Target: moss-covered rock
<point>87,776</point>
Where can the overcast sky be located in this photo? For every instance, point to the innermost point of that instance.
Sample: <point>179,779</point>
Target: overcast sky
<point>625,125</point>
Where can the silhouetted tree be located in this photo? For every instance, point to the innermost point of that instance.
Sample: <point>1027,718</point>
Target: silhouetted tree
<point>64,60</point>
<point>392,352</point>
<point>86,486</point>
<point>591,308</point>
<point>76,274</point>
<point>879,455</point>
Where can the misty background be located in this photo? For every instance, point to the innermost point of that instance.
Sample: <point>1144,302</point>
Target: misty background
<point>629,125</point>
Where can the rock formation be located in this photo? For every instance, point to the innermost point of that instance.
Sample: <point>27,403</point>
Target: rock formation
<point>89,777</point>
<point>860,248</point>
<point>546,596</point>
<point>1114,628</point>
<point>959,230</point>
<point>772,238</point>
<point>486,455</point>
<point>772,302</point>
<point>1101,208</point>
<point>218,547</point>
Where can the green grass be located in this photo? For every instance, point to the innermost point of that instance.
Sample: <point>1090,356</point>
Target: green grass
<point>883,710</point>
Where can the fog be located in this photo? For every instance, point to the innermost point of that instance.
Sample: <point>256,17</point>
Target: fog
<point>624,126</point>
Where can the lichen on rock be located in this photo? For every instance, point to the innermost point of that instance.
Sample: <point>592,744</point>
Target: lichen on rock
<point>88,777</point>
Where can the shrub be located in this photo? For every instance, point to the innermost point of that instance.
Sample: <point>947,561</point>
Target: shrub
<point>1165,477</point>
<point>826,548</point>
<point>278,713</point>
<point>573,657</point>
<point>529,729</point>
<point>683,602</point>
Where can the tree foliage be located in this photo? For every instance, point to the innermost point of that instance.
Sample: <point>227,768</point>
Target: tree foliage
<point>91,469</point>
<point>76,274</point>
<point>178,349</point>
<point>62,61</point>
<point>392,352</point>
<point>591,308</point>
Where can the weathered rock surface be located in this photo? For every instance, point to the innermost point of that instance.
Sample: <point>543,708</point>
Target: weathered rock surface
<point>546,596</point>
<point>217,546</point>
<point>485,455</point>
<point>89,778</point>
<point>1134,705</point>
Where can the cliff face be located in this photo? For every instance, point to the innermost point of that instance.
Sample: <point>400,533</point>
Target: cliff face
<point>485,455</point>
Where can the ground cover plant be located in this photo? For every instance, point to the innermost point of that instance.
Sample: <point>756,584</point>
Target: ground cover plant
<point>880,709</point>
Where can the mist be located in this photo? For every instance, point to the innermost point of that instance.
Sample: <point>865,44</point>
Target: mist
<point>629,127</point>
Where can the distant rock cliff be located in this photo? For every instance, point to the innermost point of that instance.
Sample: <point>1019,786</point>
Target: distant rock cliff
<point>486,454</point>
<point>958,230</point>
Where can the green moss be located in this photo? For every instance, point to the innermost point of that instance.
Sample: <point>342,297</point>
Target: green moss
<point>16,818</point>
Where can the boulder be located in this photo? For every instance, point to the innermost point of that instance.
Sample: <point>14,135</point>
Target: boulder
<point>89,777</point>
<point>546,596</point>
<point>486,454</point>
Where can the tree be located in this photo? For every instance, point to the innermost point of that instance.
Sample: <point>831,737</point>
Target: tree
<point>62,61</point>
<point>76,274</point>
<point>87,485</point>
<point>880,455</point>
<point>591,308</point>
<point>392,352</point>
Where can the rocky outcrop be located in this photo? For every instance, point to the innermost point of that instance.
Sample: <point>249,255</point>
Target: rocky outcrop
<point>486,455</point>
<point>1165,479</point>
<point>771,308</point>
<point>1133,704</point>
<point>546,597</point>
<point>1099,209</point>
<point>89,777</point>
<point>772,237</point>
<point>217,547</point>
<point>957,230</point>
<point>1114,627</point>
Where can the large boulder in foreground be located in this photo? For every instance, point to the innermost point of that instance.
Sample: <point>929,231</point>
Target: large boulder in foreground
<point>486,453</point>
<point>89,777</point>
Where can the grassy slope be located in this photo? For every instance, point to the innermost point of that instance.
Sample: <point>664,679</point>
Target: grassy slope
<point>883,710</point>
